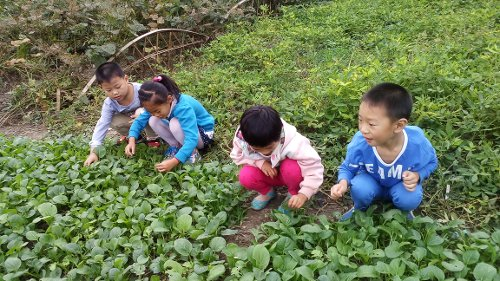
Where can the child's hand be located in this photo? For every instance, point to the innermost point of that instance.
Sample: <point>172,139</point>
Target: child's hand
<point>410,180</point>
<point>268,170</point>
<point>167,165</point>
<point>91,159</point>
<point>130,148</point>
<point>339,189</point>
<point>297,201</point>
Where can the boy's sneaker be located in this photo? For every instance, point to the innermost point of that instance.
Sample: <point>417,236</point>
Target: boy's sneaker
<point>410,216</point>
<point>195,157</point>
<point>171,152</point>
<point>347,215</point>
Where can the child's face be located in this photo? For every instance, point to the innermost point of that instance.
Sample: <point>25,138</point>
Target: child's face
<point>266,150</point>
<point>159,110</point>
<point>376,125</point>
<point>116,88</point>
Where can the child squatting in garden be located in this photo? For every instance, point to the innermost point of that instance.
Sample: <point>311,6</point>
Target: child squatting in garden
<point>386,159</point>
<point>119,108</point>
<point>179,119</point>
<point>273,154</point>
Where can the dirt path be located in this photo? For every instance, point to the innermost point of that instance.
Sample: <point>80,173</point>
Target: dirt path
<point>14,125</point>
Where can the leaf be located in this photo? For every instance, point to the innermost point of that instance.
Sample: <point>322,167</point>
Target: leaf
<point>158,226</point>
<point>435,240</point>
<point>484,272</point>
<point>218,244</point>
<point>430,272</point>
<point>367,271</point>
<point>47,209</point>
<point>392,251</point>
<point>454,265</point>
<point>382,267</point>
<point>177,267</point>
<point>470,257</point>
<point>260,256</point>
<point>419,253</point>
<point>108,49</point>
<point>215,222</point>
<point>154,188</point>
<point>129,211</point>
<point>183,246</point>
<point>184,222</point>
<point>273,276</point>
<point>200,269</point>
<point>12,264</point>
<point>311,228</point>
<point>496,236</point>
<point>227,232</point>
<point>216,272</point>
<point>305,272</point>
<point>411,278</point>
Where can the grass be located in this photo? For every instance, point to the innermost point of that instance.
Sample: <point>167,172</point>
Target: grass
<point>314,63</point>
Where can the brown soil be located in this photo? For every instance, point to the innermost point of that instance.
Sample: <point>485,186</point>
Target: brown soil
<point>31,131</point>
<point>13,125</point>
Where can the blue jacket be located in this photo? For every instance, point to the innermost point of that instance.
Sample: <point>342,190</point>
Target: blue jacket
<point>191,115</point>
<point>417,155</point>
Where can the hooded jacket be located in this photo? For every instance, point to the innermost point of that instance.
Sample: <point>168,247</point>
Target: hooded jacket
<point>292,145</point>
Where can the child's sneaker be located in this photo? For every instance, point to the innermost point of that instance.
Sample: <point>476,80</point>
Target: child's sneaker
<point>153,142</point>
<point>122,139</point>
<point>261,204</point>
<point>171,152</point>
<point>410,216</point>
<point>347,215</point>
<point>195,157</point>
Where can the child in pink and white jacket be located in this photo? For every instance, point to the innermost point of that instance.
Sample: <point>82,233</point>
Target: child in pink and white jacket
<point>273,154</point>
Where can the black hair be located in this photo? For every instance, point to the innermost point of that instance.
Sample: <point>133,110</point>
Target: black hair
<point>394,98</point>
<point>106,71</point>
<point>261,125</point>
<point>158,90</point>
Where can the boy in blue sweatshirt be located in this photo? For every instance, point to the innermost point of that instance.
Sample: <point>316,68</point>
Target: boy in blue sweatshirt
<point>386,159</point>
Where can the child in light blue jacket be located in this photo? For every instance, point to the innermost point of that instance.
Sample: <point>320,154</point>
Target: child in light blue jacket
<point>177,118</point>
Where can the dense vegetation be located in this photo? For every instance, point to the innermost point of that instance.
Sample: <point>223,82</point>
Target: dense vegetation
<point>121,220</point>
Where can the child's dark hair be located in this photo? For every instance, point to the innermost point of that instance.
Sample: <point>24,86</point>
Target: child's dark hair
<point>261,125</point>
<point>395,99</point>
<point>158,90</point>
<point>106,71</point>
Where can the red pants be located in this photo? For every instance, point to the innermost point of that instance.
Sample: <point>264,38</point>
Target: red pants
<point>289,174</point>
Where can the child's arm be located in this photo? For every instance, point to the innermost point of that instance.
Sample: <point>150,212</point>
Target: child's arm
<point>350,165</point>
<point>311,168</point>
<point>348,169</point>
<point>140,122</point>
<point>100,130</point>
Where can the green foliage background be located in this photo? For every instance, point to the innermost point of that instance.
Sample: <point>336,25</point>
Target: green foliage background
<point>121,220</point>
